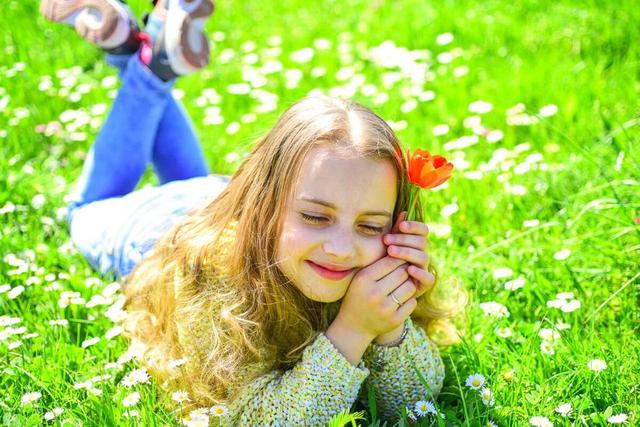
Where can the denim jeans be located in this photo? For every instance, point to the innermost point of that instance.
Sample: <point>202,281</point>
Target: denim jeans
<point>112,225</point>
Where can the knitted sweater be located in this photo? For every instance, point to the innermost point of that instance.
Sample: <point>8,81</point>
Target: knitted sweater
<point>324,383</point>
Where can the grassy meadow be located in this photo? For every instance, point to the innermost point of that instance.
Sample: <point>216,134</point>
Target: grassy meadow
<point>535,101</point>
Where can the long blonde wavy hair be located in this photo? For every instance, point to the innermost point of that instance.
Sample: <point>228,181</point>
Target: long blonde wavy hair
<point>211,289</point>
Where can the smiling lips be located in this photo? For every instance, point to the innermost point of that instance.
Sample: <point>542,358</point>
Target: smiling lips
<point>329,273</point>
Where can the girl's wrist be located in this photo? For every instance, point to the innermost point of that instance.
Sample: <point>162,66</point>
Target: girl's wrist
<point>394,337</point>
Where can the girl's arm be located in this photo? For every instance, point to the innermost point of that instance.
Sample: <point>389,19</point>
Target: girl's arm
<point>395,382</point>
<point>320,386</point>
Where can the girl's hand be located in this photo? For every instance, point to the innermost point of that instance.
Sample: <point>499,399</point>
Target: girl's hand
<point>408,241</point>
<point>369,307</point>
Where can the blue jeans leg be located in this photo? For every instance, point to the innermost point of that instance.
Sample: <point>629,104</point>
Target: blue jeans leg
<point>123,148</point>
<point>110,224</point>
<point>177,153</point>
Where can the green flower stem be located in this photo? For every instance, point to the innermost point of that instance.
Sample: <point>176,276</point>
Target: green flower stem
<point>414,194</point>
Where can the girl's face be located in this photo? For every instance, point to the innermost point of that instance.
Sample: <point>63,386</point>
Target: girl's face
<point>334,221</point>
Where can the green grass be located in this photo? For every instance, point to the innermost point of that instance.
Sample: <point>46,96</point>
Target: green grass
<point>581,56</point>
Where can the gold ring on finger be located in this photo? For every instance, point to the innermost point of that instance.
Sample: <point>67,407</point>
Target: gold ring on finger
<point>393,297</point>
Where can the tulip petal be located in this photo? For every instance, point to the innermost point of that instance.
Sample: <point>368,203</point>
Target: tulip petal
<point>427,180</point>
<point>439,161</point>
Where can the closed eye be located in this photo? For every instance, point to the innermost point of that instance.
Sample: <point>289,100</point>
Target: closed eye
<point>319,220</point>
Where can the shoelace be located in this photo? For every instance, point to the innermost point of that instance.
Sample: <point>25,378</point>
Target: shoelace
<point>146,49</point>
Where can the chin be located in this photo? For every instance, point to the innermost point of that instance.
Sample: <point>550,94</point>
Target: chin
<point>327,297</point>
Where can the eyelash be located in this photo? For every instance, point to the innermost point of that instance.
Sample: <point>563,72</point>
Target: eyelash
<point>319,219</point>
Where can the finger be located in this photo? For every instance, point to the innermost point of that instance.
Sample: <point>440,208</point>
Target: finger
<point>404,292</point>
<point>393,280</point>
<point>405,310</point>
<point>423,279</point>
<point>396,227</point>
<point>381,268</point>
<point>410,240</point>
<point>414,227</point>
<point>415,256</point>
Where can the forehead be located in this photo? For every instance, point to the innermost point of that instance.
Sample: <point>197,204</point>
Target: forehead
<point>347,180</point>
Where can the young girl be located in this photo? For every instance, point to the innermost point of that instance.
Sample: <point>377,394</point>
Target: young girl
<point>293,287</point>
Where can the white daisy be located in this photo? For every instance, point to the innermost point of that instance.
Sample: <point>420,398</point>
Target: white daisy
<point>561,326</point>
<point>502,273</point>
<point>180,396</point>
<point>549,334</point>
<point>503,332</point>
<point>444,39</point>
<point>141,376</point>
<point>509,375</point>
<point>15,344</point>
<point>84,384</point>
<point>95,391</point>
<point>570,306</point>
<point>494,309</point>
<point>487,396</point>
<point>562,254</point>
<point>491,424</point>
<point>494,135</point>
<point>111,333</point>
<point>540,422</point>
<point>218,410</point>
<point>201,420</point>
<point>178,362</point>
<point>514,284</point>
<point>440,130</point>
<point>480,107</point>
<point>565,295</point>
<point>322,44</point>
<point>131,399</point>
<point>546,347</point>
<point>449,210</point>
<point>424,407</point>
<point>15,292</point>
<point>564,409</point>
<point>475,381</point>
<point>597,365</point>
<point>50,415</point>
<point>30,397</point>
<point>303,55</point>
<point>618,419</point>
<point>128,381</point>
<point>548,110</point>
<point>198,412</point>
<point>89,342</point>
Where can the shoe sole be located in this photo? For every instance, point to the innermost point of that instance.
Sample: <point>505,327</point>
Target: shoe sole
<point>109,29</point>
<point>186,44</point>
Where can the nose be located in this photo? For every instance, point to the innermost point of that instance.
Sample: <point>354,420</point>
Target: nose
<point>339,245</point>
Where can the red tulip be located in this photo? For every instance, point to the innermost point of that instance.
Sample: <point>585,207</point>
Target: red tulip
<point>425,171</point>
<point>428,171</point>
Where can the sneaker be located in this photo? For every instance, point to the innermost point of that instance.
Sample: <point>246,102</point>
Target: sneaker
<point>179,45</point>
<point>109,24</point>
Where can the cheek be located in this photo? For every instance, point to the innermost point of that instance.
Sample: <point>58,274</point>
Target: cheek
<point>376,249</point>
<point>293,239</point>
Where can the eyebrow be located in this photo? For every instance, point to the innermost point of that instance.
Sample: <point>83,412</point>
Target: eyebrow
<point>332,206</point>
